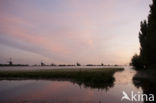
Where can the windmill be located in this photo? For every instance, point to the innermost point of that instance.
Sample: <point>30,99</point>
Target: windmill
<point>42,63</point>
<point>10,61</point>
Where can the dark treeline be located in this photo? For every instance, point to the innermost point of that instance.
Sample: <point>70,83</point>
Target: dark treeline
<point>14,65</point>
<point>53,64</point>
<point>10,63</point>
<point>147,38</point>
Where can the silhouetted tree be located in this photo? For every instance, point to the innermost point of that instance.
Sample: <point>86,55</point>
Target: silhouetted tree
<point>147,38</point>
<point>52,64</point>
<point>137,62</point>
<point>143,38</point>
<point>151,53</point>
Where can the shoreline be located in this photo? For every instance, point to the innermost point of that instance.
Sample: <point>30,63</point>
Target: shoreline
<point>95,78</point>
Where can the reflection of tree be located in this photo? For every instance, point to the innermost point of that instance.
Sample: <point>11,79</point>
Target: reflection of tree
<point>99,80</point>
<point>93,78</point>
<point>102,85</point>
<point>147,83</point>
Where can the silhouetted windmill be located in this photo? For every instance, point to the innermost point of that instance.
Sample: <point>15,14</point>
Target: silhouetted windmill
<point>102,64</point>
<point>42,64</point>
<point>78,64</point>
<point>10,62</point>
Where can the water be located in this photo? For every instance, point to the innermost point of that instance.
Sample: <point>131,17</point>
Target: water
<point>12,68</point>
<point>48,91</point>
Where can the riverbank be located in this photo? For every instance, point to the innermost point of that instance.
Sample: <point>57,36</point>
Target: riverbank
<point>60,73</point>
<point>91,77</point>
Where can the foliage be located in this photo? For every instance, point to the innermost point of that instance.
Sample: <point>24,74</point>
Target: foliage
<point>137,62</point>
<point>147,38</point>
<point>94,78</point>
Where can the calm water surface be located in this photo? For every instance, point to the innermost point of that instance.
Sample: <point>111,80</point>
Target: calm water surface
<point>13,68</point>
<point>48,91</point>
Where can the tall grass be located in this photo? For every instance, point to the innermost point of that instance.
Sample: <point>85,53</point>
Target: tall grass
<point>88,77</point>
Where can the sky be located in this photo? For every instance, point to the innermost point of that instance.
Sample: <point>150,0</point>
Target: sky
<point>70,31</point>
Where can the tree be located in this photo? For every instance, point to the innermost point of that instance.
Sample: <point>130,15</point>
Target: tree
<point>137,62</point>
<point>147,38</point>
<point>143,38</point>
<point>151,56</point>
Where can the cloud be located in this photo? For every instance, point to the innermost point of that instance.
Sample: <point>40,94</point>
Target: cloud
<point>73,30</point>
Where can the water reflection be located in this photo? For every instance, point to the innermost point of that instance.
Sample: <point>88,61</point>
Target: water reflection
<point>47,91</point>
<point>102,85</point>
<point>44,91</point>
<point>147,84</point>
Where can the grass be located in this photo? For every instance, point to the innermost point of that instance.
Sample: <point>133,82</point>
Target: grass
<point>88,77</point>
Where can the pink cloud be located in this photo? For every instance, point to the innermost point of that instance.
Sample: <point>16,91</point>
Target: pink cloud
<point>75,29</point>
<point>13,27</point>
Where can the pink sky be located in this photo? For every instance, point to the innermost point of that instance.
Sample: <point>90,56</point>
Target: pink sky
<point>70,31</point>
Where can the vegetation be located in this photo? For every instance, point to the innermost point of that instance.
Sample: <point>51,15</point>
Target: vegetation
<point>145,62</point>
<point>2,65</point>
<point>89,77</point>
<point>137,62</point>
<point>147,37</point>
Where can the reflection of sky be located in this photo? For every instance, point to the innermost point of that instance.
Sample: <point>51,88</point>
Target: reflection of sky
<point>68,31</point>
<point>59,92</point>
